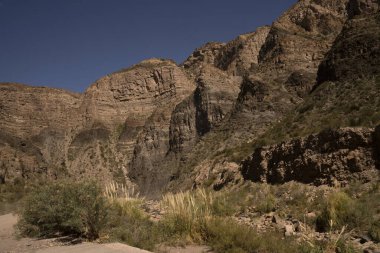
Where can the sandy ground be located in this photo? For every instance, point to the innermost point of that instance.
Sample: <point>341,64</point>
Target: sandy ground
<point>9,243</point>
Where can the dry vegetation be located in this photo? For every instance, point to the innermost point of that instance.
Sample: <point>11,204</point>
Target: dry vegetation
<point>117,213</point>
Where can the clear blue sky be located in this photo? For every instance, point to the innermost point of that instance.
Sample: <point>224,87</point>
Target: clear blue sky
<point>71,43</point>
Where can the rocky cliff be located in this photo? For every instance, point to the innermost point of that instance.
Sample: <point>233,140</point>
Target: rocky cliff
<point>167,126</point>
<point>46,131</point>
<point>345,95</point>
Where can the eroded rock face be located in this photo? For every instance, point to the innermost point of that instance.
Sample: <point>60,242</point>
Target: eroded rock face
<point>35,127</point>
<point>276,77</point>
<point>94,134</point>
<point>26,110</point>
<point>301,36</point>
<point>326,158</point>
<point>211,102</point>
<point>204,55</point>
<point>287,65</point>
<point>135,91</point>
<point>148,121</point>
<point>360,7</point>
<point>238,55</point>
<point>355,53</point>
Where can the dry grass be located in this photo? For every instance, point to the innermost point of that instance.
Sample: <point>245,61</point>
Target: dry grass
<point>189,204</point>
<point>125,192</point>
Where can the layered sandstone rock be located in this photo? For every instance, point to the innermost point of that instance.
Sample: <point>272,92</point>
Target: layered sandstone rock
<point>89,135</point>
<point>135,91</point>
<point>35,127</point>
<point>26,110</point>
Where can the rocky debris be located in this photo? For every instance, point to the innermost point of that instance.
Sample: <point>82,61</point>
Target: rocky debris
<point>216,175</point>
<point>329,157</point>
<point>291,227</point>
<point>153,209</point>
<point>273,222</point>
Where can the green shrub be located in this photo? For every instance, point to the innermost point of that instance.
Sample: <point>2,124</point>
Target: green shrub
<point>10,195</point>
<point>127,223</point>
<point>343,247</point>
<point>374,231</point>
<point>64,208</point>
<point>340,210</point>
<point>226,235</point>
<point>329,246</point>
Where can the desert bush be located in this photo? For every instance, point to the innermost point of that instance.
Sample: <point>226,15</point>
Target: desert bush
<point>339,210</point>
<point>128,223</point>
<point>65,208</point>
<point>339,246</point>
<point>374,231</point>
<point>226,235</point>
<point>261,196</point>
<point>10,195</point>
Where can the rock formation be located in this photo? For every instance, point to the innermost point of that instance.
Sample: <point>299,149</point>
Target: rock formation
<point>329,157</point>
<point>165,126</point>
<point>93,134</point>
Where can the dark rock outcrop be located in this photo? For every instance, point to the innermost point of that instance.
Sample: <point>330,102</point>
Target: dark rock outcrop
<point>360,7</point>
<point>355,53</point>
<point>326,158</point>
<point>376,138</point>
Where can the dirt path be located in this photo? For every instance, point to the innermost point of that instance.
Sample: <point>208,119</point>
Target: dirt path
<point>10,244</point>
<point>93,248</point>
